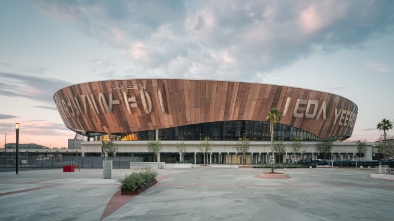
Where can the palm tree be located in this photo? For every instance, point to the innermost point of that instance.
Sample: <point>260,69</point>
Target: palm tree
<point>384,125</point>
<point>273,117</point>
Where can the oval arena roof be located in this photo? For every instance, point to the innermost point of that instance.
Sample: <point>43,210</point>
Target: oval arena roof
<point>124,106</point>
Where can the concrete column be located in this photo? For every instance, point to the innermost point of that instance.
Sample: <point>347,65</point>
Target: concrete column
<point>157,134</point>
<point>195,158</point>
<point>220,158</point>
<point>259,159</point>
<point>266,158</point>
<point>210,158</point>
<point>251,158</point>
<point>158,157</point>
<point>286,157</point>
<point>236,159</point>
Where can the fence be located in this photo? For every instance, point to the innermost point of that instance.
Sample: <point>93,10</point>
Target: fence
<point>124,162</point>
<point>59,162</point>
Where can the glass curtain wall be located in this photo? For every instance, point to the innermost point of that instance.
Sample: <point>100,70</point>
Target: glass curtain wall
<point>228,130</point>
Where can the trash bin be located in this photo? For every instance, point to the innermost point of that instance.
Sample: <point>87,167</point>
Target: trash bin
<point>107,169</point>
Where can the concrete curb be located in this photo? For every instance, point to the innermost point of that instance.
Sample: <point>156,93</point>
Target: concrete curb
<point>268,175</point>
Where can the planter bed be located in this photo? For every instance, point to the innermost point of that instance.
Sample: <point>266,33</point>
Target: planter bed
<point>269,175</point>
<point>139,190</point>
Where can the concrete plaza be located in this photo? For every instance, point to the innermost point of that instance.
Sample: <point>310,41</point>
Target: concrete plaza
<point>201,193</point>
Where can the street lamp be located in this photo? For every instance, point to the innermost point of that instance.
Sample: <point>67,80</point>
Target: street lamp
<point>17,148</point>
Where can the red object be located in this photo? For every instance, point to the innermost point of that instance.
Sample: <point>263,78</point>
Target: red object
<point>68,168</point>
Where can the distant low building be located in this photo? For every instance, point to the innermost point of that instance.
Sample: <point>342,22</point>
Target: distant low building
<point>25,146</point>
<point>74,144</point>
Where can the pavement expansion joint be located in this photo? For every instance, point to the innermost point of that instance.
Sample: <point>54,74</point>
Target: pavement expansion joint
<point>30,189</point>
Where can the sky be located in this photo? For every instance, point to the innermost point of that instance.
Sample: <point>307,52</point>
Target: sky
<point>344,47</point>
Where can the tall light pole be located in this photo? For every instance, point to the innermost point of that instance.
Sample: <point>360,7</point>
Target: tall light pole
<point>17,148</point>
<point>5,142</point>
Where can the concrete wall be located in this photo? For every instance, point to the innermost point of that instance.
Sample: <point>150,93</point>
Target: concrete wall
<point>177,165</point>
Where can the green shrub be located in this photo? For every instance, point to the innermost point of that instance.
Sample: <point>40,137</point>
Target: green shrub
<point>138,179</point>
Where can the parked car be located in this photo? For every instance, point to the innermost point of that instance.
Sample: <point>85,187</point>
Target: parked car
<point>313,164</point>
<point>304,162</point>
<point>320,162</point>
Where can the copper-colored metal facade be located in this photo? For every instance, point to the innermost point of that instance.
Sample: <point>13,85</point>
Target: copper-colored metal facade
<point>124,106</point>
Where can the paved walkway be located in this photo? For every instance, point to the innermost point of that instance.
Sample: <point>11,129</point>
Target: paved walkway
<point>203,193</point>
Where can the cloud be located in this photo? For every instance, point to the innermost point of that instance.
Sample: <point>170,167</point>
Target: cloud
<point>44,126</point>
<point>104,67</point>
<point>36,88</point>
<point>47,107</point>
<point>39,128</point>
<point>5,64</point>
<point>102,62</point>
<point>36,70</point>
<point>335,88</point>
<point>5,116</point>
<point>44,131</point>
<point>379,67</point>
<point>237,40</point>
<point>369,129</point>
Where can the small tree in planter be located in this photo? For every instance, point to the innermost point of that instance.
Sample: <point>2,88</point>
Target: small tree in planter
<point>361,149</point>
<point>385,146</point>
<point>205,147</point>
<point>296,146</point>
<point>109,148</point>
<point>303,149</point>
<point>242,148</point>
<point>181,147</point>
<point>138,181</point>
<point>324,147</point>
<point>280,149</point>
<point>155,148</point>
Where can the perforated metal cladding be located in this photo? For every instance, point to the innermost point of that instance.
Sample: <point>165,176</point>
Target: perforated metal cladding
<point>123,106</point>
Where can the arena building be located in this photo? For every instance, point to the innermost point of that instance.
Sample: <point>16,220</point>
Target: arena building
<point>132,112</point>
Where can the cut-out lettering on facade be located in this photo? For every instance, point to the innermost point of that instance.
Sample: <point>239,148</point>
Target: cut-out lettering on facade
<point>315,109</point>
<point>130,96</point>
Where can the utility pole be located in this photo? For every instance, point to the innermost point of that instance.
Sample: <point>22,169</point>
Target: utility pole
<point>5,142</point>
